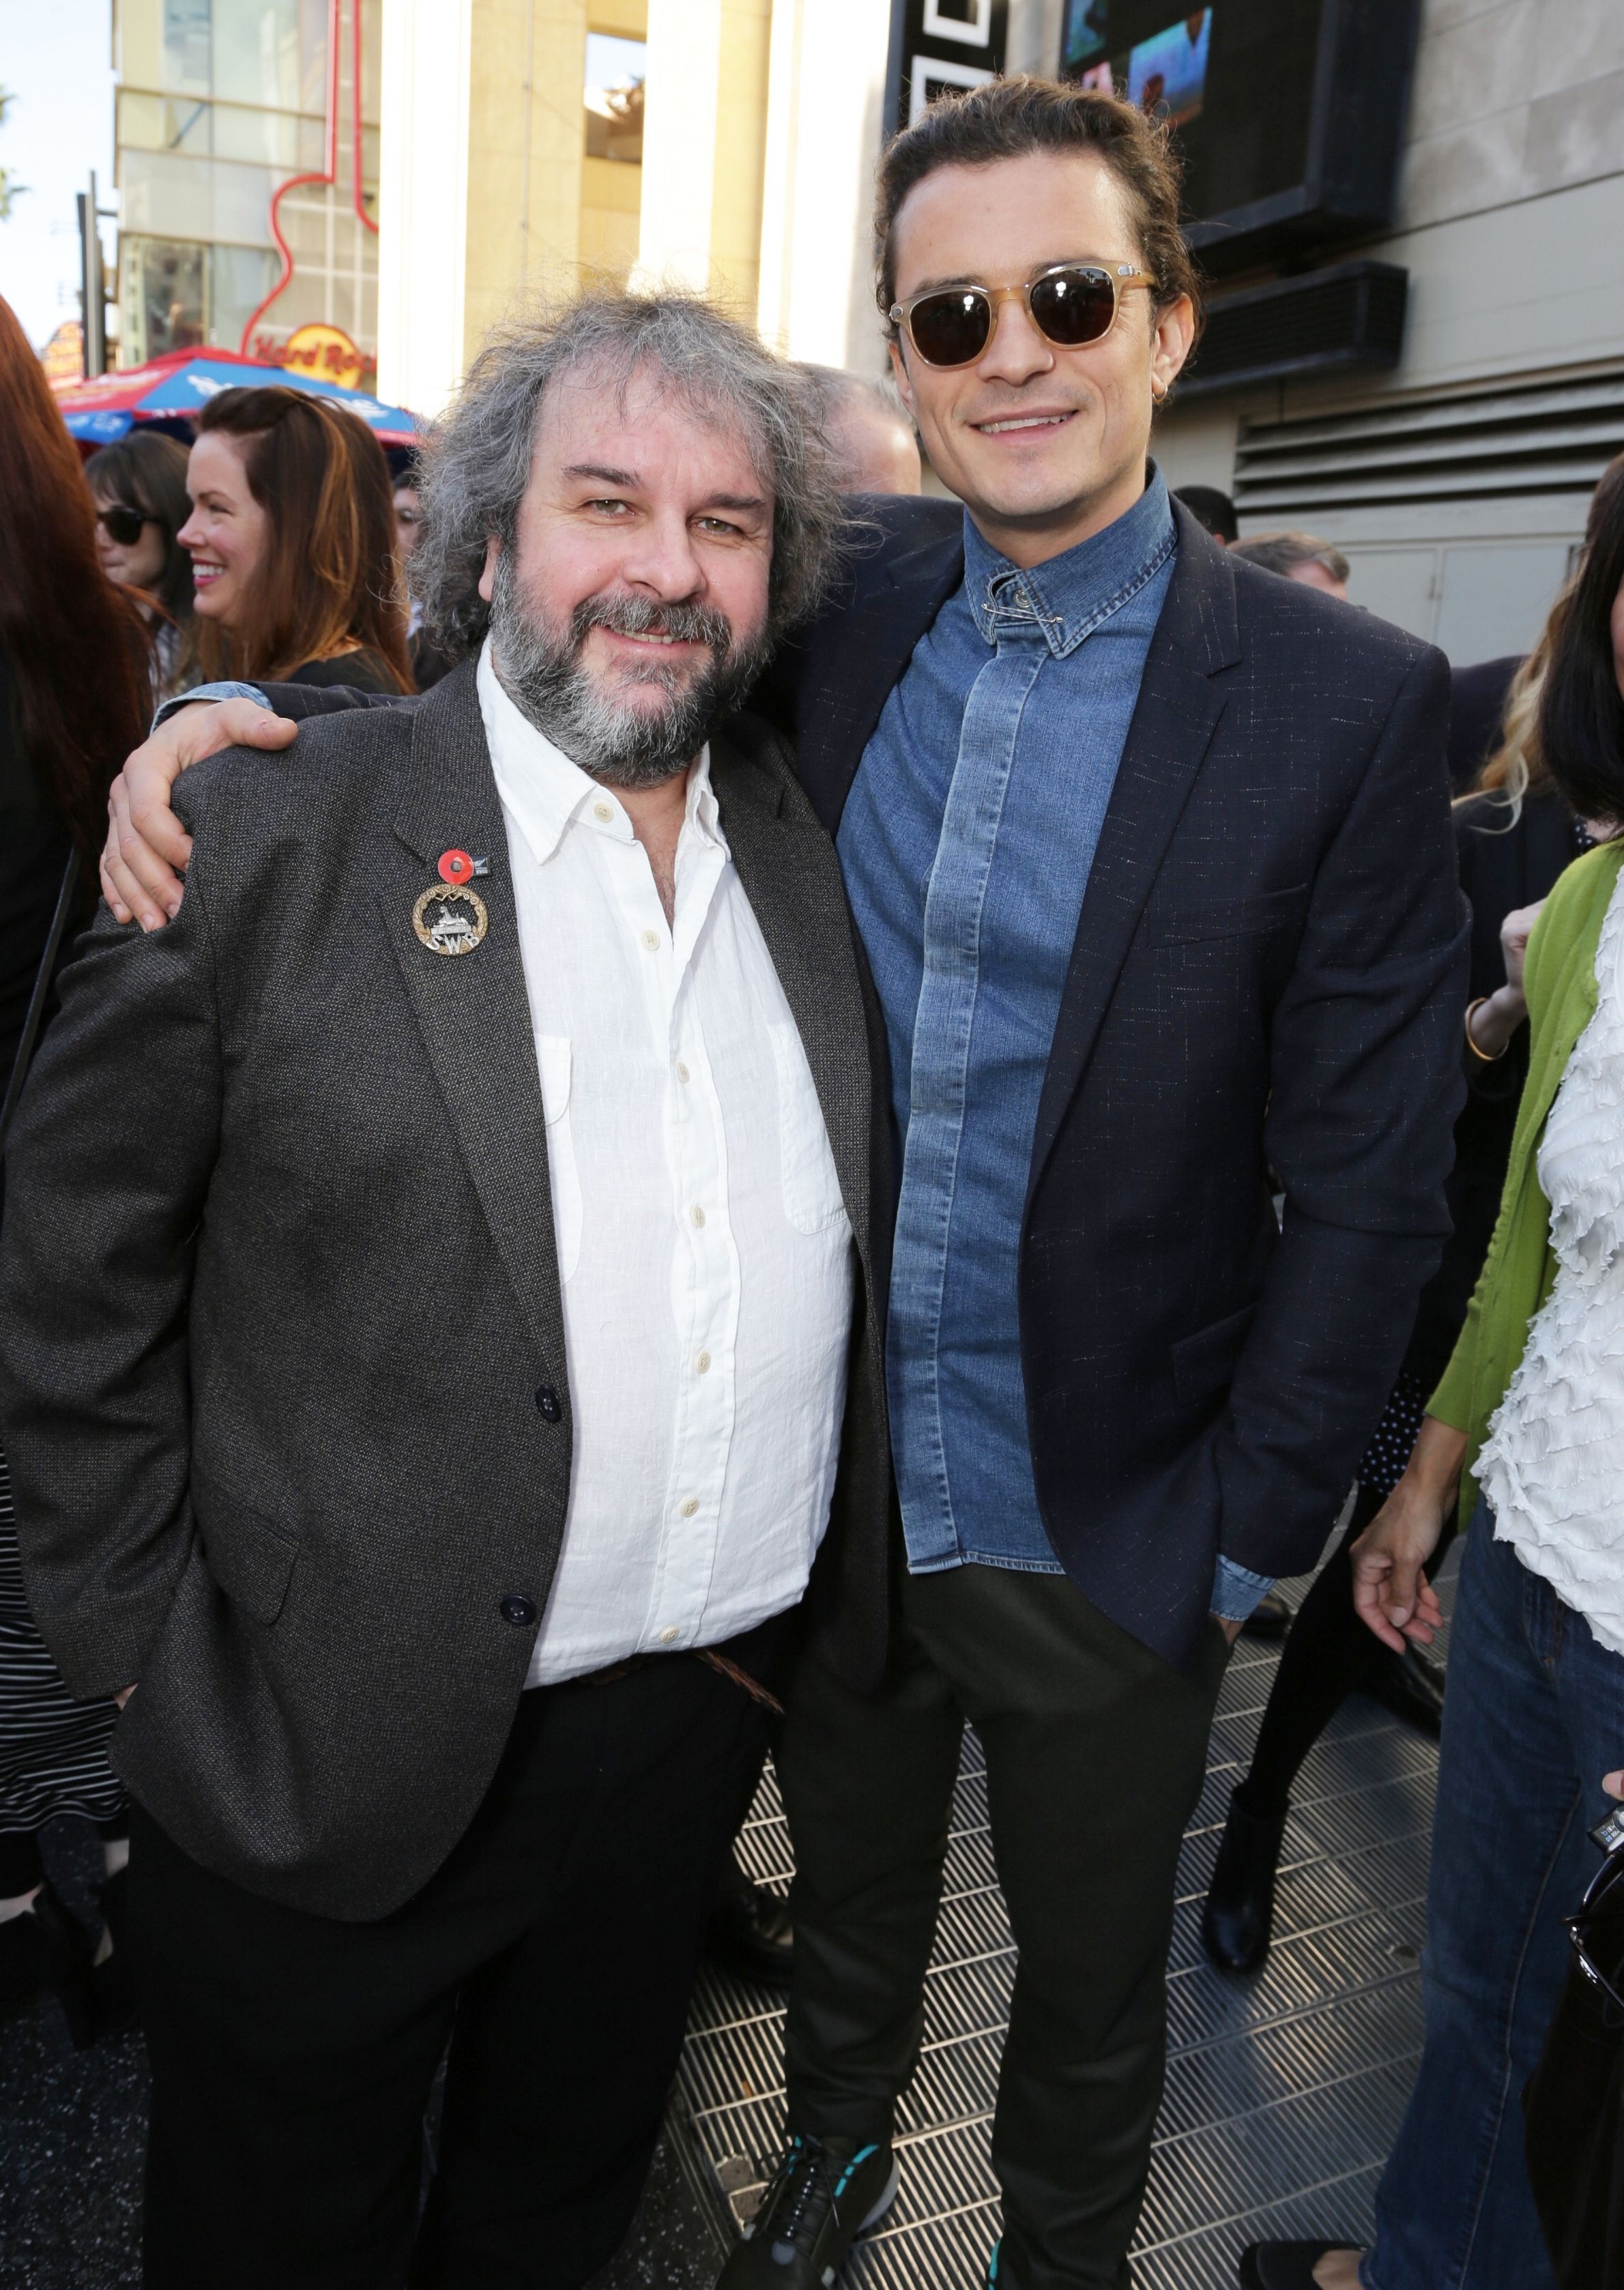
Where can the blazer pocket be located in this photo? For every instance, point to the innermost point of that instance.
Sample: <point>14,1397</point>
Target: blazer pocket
<point>250,1560</point>
<point>1205,1363</point>
<point>1216,918</point>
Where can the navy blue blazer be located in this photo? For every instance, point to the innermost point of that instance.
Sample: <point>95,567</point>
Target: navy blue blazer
<point>1268,976</point>
<point>1266,987</point>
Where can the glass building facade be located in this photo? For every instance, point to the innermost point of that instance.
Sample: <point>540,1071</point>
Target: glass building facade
<point>222,106</point>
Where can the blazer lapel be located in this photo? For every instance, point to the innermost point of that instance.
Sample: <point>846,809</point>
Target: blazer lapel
<point>1171,728</point>
<point>792,880</point>
<point>473,1008</point>
<point>875,639</point>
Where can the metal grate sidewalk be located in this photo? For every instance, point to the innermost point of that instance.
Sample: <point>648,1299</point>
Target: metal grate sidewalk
<point>1284,2091</point>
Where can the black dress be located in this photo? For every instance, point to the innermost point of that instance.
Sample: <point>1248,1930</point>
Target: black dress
<point>53,1757</point>
<point>364,670</point>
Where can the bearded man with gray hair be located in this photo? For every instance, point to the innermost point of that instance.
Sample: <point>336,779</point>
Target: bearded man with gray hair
<point>438,1337</point>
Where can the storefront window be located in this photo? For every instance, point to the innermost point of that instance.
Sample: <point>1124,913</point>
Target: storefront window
<point>176,294</point>
<point>162,297</point>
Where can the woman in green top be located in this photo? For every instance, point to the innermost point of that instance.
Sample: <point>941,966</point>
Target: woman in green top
<point>1526,1433</point>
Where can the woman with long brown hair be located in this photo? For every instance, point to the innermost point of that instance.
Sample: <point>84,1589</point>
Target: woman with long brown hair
<point>291,538</point>
<point>74,694</point>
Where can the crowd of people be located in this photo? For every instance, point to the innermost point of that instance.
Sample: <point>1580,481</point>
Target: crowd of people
<point>714,1101</point>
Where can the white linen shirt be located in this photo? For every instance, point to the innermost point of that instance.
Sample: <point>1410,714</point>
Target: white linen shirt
<point>704,1252</point>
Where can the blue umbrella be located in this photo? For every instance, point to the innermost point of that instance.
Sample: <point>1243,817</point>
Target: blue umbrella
<point>169,389</point>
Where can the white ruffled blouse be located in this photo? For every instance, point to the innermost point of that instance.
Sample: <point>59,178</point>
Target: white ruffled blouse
<point>1553,1464</point>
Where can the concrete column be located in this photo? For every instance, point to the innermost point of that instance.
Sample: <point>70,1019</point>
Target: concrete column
<point>423,180</point>
<point>525,158</point>
<point>681,105</point>
<point>825,119</point>
<point>703,144</point>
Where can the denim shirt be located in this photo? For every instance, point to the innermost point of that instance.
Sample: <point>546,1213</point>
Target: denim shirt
<point>966,844</point>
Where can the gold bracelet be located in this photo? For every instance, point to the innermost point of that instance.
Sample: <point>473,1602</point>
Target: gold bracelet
<point>1488,1057</point>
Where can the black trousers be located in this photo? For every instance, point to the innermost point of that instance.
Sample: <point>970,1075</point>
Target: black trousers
<point>1095,1753</point>
<point>292,2056</point>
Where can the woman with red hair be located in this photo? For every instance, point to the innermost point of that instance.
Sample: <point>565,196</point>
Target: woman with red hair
<point>74,684</point>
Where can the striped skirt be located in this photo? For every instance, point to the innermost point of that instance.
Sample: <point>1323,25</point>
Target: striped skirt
<point>53,1751</point>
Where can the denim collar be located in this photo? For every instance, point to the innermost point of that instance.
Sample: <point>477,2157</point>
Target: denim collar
<point>1069,596</point>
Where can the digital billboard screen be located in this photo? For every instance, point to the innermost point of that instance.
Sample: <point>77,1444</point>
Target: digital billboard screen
<point>1236,81</point>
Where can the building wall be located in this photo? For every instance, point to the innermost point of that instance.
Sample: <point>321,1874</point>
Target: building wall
<point>611,189</point>
<point>490,202</point>
<point>704,146</point>
<point>824,130</point>
<point>762,124</point>
<point>1510,221</point>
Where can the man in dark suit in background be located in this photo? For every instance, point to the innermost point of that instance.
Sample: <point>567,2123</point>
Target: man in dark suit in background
<point>1150,856</point>
<point>1212,510</point>
<point>435,1306</point>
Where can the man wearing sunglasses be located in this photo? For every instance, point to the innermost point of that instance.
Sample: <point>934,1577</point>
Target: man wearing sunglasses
<point>1150,857</point>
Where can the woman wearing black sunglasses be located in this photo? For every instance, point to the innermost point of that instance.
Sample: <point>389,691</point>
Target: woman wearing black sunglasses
<point>139,487</point>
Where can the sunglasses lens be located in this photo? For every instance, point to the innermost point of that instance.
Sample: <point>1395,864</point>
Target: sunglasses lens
<point>1074,306</point>
<point>951,328</point>
<point>122,525</point>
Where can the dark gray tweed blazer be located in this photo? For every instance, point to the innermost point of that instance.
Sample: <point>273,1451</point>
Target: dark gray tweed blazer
<point>282,1360</point>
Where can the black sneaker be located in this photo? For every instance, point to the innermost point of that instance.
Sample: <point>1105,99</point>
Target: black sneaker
<point>822,2195</point>
<point>749,1933</point>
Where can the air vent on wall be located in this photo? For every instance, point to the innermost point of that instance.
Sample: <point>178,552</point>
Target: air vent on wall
<point>1548,436</point>
<point>1350,316</point>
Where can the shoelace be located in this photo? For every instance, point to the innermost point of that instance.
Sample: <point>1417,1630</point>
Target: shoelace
<point>809,2201</point>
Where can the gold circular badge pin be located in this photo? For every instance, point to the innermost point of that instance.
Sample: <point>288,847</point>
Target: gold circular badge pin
<point>450,920</point>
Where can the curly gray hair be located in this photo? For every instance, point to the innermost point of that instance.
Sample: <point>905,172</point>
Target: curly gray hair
<point>476,462</point>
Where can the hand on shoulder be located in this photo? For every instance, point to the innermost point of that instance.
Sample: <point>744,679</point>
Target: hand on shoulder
<point>147,847</point>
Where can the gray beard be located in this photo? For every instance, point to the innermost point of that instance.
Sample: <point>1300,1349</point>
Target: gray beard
<point>620,745</point>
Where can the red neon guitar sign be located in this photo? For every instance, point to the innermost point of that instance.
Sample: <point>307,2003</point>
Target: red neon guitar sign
<point>329,175</point>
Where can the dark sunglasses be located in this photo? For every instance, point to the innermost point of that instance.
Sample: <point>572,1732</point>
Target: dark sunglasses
<point>124,524</point>
<point>1071,304</point>
<point>1597,1931</point>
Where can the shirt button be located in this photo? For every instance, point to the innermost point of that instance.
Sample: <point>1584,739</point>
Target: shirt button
<point>602,811</point>
<point>651,939</point>
<point>683,1073</point>
<point>698,1214</point>
<point>703,1364</point>
<point>689,1508</point>
<point>670,1636</point>
<point>547,1404</point>
<point>518,1610</point>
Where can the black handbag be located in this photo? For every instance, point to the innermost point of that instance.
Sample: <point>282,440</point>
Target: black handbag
<point>1573,2106</point>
